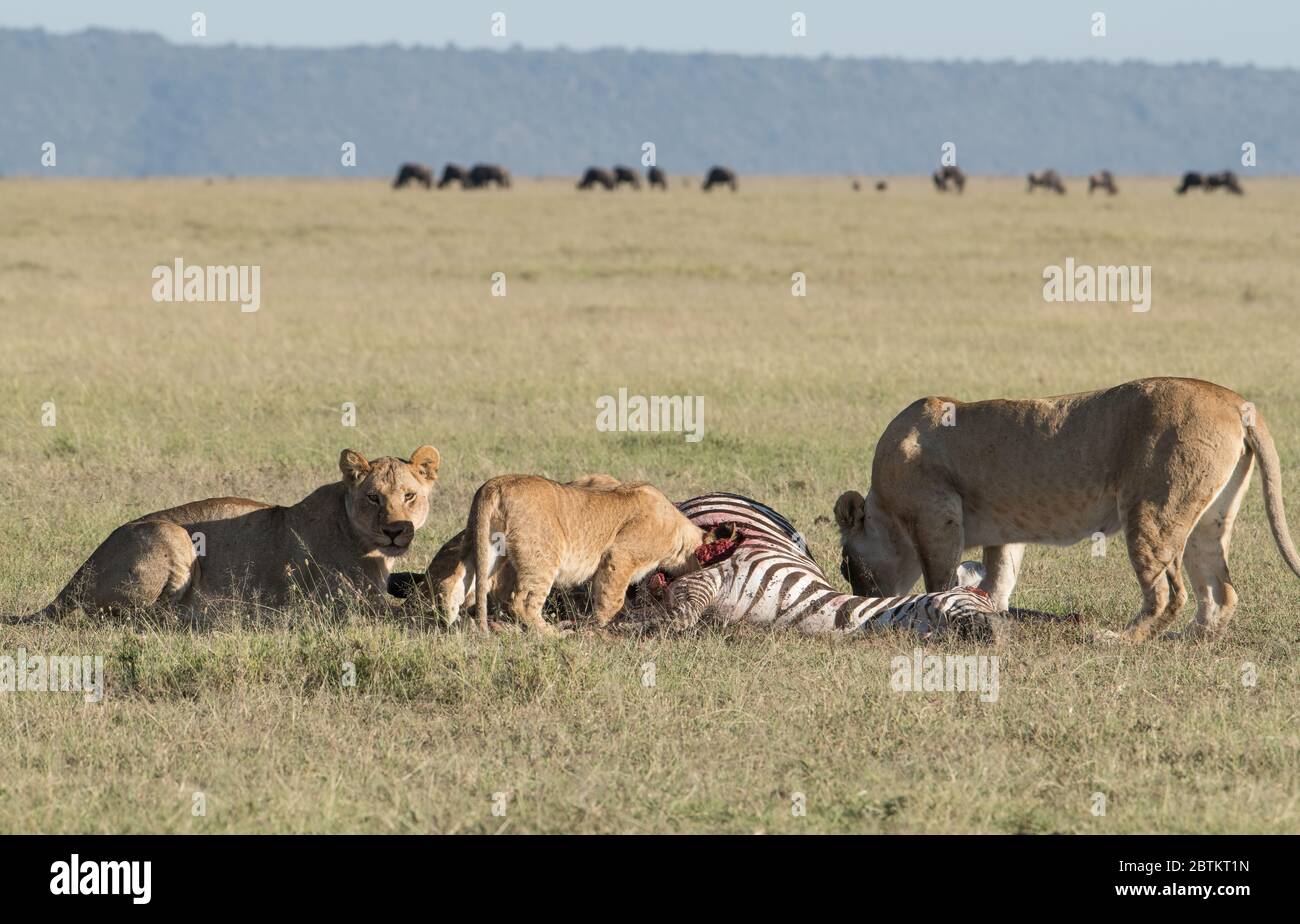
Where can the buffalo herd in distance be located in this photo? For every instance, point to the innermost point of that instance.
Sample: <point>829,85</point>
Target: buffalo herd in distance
<point>484,175</point>
<point>945,178</point>
<point>478,176</point>
<point>619,176</point>
<point>1211,181</point>
<point>952,177</point>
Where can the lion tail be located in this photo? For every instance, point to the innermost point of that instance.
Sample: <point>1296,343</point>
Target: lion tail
<point>52,611</point>
<point>485,508</point>
<point>1270,468</point>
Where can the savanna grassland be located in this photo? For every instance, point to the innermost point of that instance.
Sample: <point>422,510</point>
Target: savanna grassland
<point>383,299</point>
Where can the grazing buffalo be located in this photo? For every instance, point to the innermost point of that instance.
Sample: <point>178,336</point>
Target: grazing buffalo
<point>1211,181</point>
<point>481,175</point>
<point>656,178</point>
<point>881,186</point>
<point>720,176</point>
<point>944,175</point>
<point>454,173</point>
<point>1048,179</point>
<point>627,175</point>
<point>596,176</point>
<point>413,173</point>
<point>1102,180</point>
<point>1225,178</point>
<point>856,186</point>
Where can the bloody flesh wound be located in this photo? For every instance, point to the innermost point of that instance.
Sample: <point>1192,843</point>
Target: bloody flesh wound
<point>710,553</point>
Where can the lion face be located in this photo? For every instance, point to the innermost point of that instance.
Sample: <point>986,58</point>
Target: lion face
<point>388,500</point>
<point>877,559</point>
<point>682,560</point>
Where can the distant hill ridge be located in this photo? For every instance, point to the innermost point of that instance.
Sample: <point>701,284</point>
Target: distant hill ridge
<point>129,104</point>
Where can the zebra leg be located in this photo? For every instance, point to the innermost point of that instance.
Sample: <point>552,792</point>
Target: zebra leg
<point>958,613</point>
<point>689,597</point>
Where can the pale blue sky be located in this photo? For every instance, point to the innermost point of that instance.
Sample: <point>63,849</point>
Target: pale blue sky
<point>1261,32</point>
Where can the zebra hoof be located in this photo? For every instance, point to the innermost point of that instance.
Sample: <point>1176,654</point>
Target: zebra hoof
<point>1000,629</point>
<point>993,628</point>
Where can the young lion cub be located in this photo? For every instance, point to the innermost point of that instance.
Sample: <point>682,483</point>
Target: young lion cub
<point>446,578</point>
<point>549,534</point>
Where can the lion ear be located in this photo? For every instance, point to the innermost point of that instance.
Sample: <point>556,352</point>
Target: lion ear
<point>353,466</point>
<point>850,510</point>
<point>720,531</point>
<point>425,462</point>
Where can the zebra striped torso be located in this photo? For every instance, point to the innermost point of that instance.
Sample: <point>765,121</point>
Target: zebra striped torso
<point>770,579</point>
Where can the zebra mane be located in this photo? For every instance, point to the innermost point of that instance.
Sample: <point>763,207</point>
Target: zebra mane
<point>781,522</point>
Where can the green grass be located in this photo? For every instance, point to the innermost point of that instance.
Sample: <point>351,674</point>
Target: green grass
<point>383,299</point>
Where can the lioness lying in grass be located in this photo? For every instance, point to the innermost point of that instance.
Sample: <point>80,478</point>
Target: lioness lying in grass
<point>337,543</point>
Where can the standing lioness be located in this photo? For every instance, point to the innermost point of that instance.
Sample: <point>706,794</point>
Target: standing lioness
<point>340,538</point>
<point>550,534</point>
<point>1165,460</point>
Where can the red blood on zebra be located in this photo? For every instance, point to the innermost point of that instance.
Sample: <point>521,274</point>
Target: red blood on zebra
<point>715,551</point>
<point>710,553</point>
